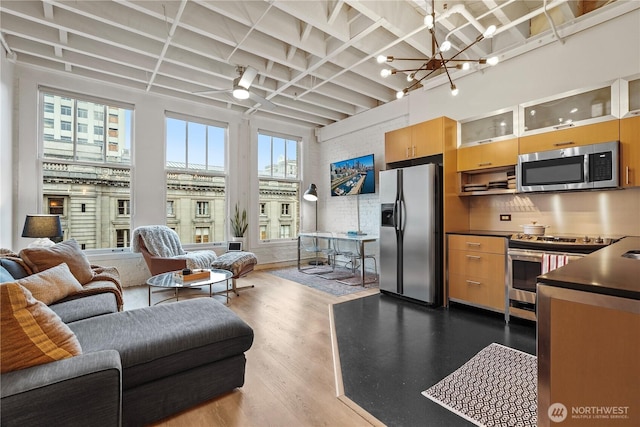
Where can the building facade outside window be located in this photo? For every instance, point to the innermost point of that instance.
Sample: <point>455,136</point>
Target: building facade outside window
<point>81,179</point>
<point>279,186</point>
<point>196,178</point>
<point>123,207</point>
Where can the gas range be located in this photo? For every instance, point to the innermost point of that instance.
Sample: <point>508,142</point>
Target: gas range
<point>560,243</point>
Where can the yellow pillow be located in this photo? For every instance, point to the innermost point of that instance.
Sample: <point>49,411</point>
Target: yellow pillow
<point>32,334</point>
<point>69,252</point>
<point>52,284</point>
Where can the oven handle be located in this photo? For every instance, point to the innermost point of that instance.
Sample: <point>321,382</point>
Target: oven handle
<point>536,256</point>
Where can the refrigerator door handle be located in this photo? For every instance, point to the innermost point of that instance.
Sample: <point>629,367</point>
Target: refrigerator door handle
<point>403,219</point>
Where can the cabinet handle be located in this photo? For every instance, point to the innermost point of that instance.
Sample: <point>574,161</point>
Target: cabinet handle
<point>473,244</point>
<point>407,155</point>
<point>414,151</point>
<point>484,164</point>
<point>484,140</point>
<point>566,125</point>
<point>627,173</point>
<point>473,282</point>
<point>562,144</point>
<point>473,256</point>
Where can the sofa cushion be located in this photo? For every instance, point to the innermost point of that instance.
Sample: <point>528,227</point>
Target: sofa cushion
<point>32,334</point>
<point>5,276</point>
<point>72,310</point>
<point>163,340</point>
<point>69,252</point>
<point>52,284</point>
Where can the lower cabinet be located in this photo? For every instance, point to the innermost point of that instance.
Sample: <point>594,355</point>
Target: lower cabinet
<point>588,353</point>
<point>476,270</point>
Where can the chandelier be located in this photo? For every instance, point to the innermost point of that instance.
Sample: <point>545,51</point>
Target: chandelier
<point>437,60</point>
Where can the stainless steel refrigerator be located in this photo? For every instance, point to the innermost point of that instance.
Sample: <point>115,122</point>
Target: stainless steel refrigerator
<point>411,242</point>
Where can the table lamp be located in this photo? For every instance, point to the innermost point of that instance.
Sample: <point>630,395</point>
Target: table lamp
<point>43,228</point>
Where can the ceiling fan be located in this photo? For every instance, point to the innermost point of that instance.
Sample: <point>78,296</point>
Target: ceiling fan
<point>241,88</point>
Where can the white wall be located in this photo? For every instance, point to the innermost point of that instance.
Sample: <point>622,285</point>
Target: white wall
<point>587,58</point>
<point>148,152</point>
<point>6,151</point>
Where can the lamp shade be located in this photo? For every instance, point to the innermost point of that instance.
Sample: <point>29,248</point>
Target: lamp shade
<point>40,226</point>
<point>311,194</point>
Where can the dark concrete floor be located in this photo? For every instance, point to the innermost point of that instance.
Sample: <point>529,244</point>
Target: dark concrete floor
<point>391,350</point>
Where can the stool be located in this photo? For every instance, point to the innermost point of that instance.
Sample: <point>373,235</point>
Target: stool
<point>239,263</point>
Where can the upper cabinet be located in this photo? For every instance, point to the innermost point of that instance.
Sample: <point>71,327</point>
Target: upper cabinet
<point>412,142</point>
<point>572,109</point>
<point>630,151</point>
<point>564,138</point>
<point>630,97</point>
<point>487,156</point>
<point>494,127</point>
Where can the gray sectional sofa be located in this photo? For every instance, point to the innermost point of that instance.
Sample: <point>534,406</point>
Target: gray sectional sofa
<point>136,366</point>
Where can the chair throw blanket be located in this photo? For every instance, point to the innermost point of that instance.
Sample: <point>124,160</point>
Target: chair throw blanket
<point>162,241</point>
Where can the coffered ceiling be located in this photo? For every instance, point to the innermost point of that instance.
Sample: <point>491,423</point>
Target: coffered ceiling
<point>316,60</point>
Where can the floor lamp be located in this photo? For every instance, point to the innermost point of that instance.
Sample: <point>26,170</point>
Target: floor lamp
<point>312,195</point>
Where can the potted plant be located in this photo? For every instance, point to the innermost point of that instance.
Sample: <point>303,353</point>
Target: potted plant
<point>239,223</point>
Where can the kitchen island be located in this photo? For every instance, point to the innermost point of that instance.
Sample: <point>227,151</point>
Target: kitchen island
<point>589,340</point>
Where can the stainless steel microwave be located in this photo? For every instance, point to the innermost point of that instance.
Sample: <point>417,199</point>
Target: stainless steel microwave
<point>573,168</point>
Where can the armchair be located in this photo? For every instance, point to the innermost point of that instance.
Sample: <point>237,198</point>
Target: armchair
<point>162,251</point>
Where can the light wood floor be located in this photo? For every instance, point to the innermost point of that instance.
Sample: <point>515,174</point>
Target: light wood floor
<point>289,378</point>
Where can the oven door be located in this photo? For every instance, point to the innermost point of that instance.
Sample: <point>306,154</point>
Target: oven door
<point>524,267</point>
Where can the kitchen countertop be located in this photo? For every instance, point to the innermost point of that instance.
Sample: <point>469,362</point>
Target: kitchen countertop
<point>489,233</point>
<point>605,271</point>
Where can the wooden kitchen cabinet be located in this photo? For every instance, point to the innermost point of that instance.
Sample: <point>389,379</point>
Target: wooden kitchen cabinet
<point>630,152</point>
<point>413,142</point>
<point>572,137</point>
<point>588,356</point>
<point>476,270</point>
<point>486,156</point>
<point>397,145</point>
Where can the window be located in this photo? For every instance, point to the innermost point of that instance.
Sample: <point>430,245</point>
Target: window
<point>95,184</point>
<point>98,116</point>
<point>122,238</point>
<point>202,208</point>
<point>196,177</point>
<point>285,231</point>
<point>202,235</point>
<point>98,130</point>
<point>123,207</point>
<point>279,186</point>
<point>55,206</point>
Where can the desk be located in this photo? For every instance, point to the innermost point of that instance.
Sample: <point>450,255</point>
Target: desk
<point>361,239</point>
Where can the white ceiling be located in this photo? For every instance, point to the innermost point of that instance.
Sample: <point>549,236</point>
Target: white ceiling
<point>316,60</point>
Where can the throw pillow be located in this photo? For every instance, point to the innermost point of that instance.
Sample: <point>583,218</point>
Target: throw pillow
<point>32,334</point>
<point>52,284</point>
<point>69,252</point>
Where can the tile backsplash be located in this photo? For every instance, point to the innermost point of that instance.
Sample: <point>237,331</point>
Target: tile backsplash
<point>613,212</point>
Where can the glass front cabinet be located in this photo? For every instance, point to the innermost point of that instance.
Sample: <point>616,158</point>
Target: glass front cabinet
<point>575,108</point>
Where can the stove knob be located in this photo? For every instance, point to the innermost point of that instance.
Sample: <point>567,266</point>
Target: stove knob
<point>598,240</point>
<point>586,239</point>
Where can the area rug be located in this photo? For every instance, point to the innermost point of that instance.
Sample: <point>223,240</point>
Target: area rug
<point>497,387</point>
<point>329,286</point>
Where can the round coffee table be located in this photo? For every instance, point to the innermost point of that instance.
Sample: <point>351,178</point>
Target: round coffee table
<point>170,281</point>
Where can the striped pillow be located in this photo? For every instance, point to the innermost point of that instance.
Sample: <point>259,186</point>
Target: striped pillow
<point>32,334</point>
